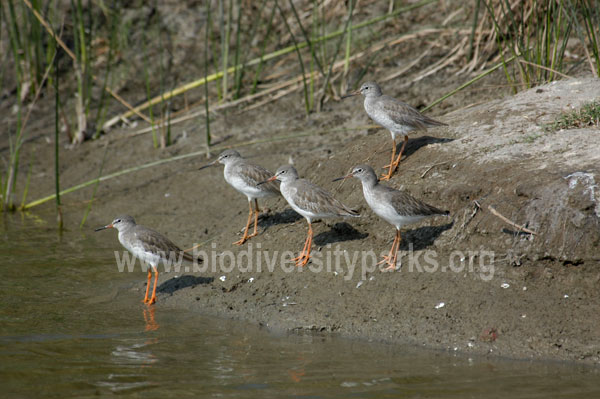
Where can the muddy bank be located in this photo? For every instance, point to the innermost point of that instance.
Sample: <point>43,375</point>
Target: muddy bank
<point>491,289</point>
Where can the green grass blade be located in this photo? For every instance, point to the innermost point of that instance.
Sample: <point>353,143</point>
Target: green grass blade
<point>469,83</point>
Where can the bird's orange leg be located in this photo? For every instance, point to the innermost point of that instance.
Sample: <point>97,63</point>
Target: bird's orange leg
<point>388,257</point>
<point>147,286</point>
<point>302,252</point>
<point>245,236</point>
<point>305,254</point>
<point>392,257</point>
<point>395,162</point>
<point>391,165</point>
<point>256,212</point>
<point>395,257</point>
<point>153,298</point>
<point>401,152</point>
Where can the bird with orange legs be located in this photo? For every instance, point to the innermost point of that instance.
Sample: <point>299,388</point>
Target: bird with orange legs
<point>244,176</point>
<point>310,201</point>
<point>396,207</point>
<point>148,246</point>
<point>395,115</point>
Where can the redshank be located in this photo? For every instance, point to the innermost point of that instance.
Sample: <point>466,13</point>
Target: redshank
<point>308,200</point>
<point>148,246</point>
<point>396,207</point>
<point>244,176</point>
<point>396,116</point>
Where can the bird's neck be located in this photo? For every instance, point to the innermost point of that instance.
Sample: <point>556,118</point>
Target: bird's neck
<point>370,184</point>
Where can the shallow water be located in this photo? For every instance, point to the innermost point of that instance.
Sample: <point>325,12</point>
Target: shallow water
<point>72,326</point>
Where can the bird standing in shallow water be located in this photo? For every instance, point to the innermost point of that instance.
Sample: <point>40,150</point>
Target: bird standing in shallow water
<point>244,176</point>
<point>396,116</point>
<point>308,200</point>
<point>396,207</point>
<point>148,246</point>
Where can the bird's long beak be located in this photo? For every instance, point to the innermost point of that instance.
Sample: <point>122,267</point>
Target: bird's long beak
<point>108,226</point>
<point>343,177</point>
<point>351,94</point>
<point>213,163</point>
<point>268,180</point>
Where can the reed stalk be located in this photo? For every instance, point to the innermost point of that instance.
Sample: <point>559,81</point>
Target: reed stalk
<point>306,99</point>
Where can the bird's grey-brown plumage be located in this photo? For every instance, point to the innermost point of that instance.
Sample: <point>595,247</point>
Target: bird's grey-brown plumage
<point>394,206</point>
<point>251,174</point>
<point>149,246</point>
<point>245,176</point>
<point>147,243</point>
<point>308,199</point>
<point>406,204</point>
<point>397,116</point>
<point>154,242</point>
<point>397,207</point>
<point>314,199</point>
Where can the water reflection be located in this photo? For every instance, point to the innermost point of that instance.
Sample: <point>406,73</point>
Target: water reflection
<point>149,318</point>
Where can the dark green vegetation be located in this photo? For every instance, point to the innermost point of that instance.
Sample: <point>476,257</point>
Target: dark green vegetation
<point>588,115</point>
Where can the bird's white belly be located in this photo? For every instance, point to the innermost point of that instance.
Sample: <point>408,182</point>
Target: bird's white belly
<point>389,214</point>
<point>250,191</point>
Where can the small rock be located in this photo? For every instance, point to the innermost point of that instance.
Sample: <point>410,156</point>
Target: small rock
<point>489,335</point>
<point>505,285</point>
<point>223,278</point>
<point>440,305</point>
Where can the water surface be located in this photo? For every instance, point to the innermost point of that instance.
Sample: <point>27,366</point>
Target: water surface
<point>71,325</point>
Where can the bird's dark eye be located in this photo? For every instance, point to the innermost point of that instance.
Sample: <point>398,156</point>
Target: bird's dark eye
<point>359,170</point>
<point>118,221</point>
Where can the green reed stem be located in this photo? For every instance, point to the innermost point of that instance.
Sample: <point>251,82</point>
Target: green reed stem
<point>56,145</point>
<point>469,83</point>
<point>306,100</point>
<point>307,38</point>
<point>337,50</point>
<point>206,96</point>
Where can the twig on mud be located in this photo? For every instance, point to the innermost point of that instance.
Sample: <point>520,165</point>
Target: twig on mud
<point>475,210</point>
<point>433,166</point>
<point>506,220</point>
<point>453,54</point>
<point>408,67</point>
